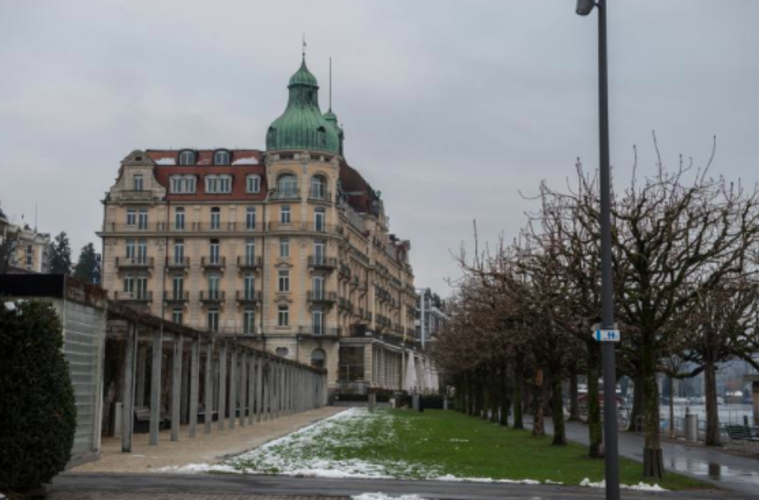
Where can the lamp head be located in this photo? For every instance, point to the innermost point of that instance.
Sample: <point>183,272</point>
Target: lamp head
<point>585,7</point>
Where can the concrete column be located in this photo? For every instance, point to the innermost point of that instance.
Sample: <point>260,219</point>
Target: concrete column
<point>155,387</point>
<point>194,385</point>
<point>222,384</point>
<point>259,387</point>
<point>268,388</point>
<point>176,386</point>
<point>142,366</point>
<point>243,387</point>
<point>251,388</point>
<point>233,388</point>
<point>127,418</point>
<point>184,417</point>
<point>208,388</point>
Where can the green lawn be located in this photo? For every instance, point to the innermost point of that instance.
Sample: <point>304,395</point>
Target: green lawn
<point>411,445</point>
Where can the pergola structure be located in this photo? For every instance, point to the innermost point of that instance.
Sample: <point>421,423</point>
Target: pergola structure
<point>239,385</point>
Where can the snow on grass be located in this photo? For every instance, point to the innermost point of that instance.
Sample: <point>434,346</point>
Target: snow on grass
<point>639,487</point>
<point>382,496</point>
<point>346,446</point>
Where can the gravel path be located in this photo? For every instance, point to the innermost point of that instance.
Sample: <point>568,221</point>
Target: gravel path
<point>204,448</point>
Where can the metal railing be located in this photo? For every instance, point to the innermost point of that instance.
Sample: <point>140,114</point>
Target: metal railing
<point>140,296</point>
<point>287,194</point>
<point>321,296</point>
<point>322,262</point>
<point>207,262</point>
<point>182,263</point>
<point>248,296</point>
<point>244,262</point>
<point>212,296</point>
<point>132,262</point>
<point>322,194</point>
<point>176,296</point>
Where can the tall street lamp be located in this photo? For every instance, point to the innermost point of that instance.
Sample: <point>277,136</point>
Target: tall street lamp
<point>585,7</point>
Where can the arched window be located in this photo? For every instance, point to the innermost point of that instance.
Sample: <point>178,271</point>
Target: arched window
<point>187,158</point>
<point>221,158</point>
<point>318,358</point>
<point>282,352</point>
<point>287,186</point>
<point>318,189</point>
<point>253,183</point>
<point>218,184</point>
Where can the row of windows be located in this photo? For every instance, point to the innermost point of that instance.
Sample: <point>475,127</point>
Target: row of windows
<point>318,319</point>
<point>139,218</point>
<point>220,157</point>
<point>287,185</point>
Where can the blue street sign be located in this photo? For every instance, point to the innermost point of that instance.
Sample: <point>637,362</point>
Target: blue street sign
<point>606,335</point>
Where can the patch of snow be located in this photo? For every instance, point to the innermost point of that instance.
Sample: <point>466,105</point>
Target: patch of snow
<point>639,487</point>
<point>166,161</point>
<point>382,496</point>
<point>10,306</point>
<point>251,160</point>
<point>198,468</point>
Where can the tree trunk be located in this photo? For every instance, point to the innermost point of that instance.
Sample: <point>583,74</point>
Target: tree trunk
<point>504,397</point>
<point>527,406</point>
<point>595,430</point>
<point>518,384</point>
<point>653,459</point>
<point>672,433</point>
<point>574,396</point>
<point>538,429</point>
<point>546,391</point>
<point>712,413</point>
<point>636,413</point>
<point>559,433</point>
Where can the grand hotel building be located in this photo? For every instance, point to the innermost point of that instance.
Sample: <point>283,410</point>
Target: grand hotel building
<point>288,248</point>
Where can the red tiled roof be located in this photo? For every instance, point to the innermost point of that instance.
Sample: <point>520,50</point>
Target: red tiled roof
<point>243,163</point>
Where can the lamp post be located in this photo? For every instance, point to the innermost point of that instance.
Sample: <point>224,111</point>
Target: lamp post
<point>584,7</point>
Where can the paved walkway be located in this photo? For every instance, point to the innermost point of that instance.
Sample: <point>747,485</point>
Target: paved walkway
<point>227,487</point>
<point>204,448</point>
<point>740,474</point>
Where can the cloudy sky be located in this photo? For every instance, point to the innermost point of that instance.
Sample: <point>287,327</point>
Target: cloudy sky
<point>450,108</point>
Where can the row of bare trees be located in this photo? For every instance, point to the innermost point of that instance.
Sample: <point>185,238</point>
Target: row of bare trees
<point>686,291</point>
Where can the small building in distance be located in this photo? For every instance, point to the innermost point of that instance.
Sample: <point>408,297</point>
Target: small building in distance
<point>29,249</point>
<point>430,315</point>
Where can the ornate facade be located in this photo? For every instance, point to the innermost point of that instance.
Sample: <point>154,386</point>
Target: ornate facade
<point>287,248</point>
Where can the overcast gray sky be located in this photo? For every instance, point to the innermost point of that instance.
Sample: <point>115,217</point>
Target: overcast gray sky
<point>450,108</point>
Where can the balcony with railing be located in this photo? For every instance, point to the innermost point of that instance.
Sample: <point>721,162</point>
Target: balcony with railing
<point>248,296</point>
<point>321,296</point>
<point>134,262</point>
<point>137,296</point>
<point>320,194</point>
<point>246,263</point>
<point>286,194</point>
<point>213,263</point>
<point>176,264</point>
<point>176,296</point>
<point>212,296</point>
<point>134,195</point>
<point>322,262</point>
<point>320,331</point>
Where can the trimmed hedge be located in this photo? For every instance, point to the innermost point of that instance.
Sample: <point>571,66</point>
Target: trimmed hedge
<point>37,406</point>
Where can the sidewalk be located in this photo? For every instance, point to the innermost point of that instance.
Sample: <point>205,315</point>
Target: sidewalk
<point>204,448</point>
<point>710,465</point>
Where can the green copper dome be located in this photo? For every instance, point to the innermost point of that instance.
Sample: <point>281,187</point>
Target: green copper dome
<point>332,120</point>
<point>302,125</point>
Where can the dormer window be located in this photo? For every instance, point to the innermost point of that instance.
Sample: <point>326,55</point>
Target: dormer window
<point>182,184</point>
<point>253,184</point>
<point>138,182</point>
<point>218,184</point>
<point>187,158</point>
<point>221,158</point>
